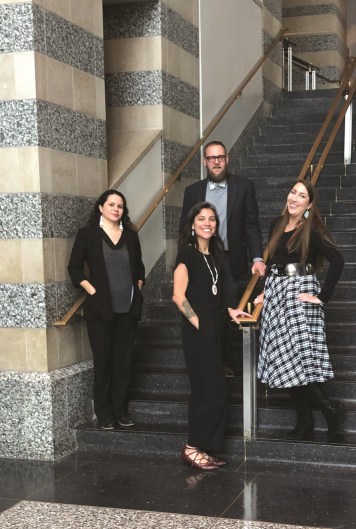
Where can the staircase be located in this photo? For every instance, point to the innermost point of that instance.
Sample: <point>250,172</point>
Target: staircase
<point>160,389</point>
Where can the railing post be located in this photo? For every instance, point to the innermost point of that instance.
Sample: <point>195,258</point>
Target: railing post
<point>249,382</point>
<point>307,80</point>
<point>290,66</point>
<point>283,67</point>
<point>313,80</point>
<point>348,134</point>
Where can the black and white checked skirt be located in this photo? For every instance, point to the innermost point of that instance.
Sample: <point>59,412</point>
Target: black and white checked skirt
<point>293,349</point>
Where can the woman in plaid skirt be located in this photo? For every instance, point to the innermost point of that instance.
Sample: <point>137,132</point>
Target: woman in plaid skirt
<point>293,351</point>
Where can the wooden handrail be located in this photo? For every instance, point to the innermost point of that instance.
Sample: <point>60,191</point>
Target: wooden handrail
<point>215,121</point>
<point>333,133</point>
<point>328,118</point>
<point>71,312</point>
<point>346,78</point>
<point>247,295</point>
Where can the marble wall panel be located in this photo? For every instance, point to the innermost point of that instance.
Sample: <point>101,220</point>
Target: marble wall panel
<point>34,305</point>
<point>172,218</point>
<point>180,31</point>
<point>25,27</point>
<point>20,215</point>
<point>134,88</point>
<point>30,122</point>
<point>310,10</point>
<point>35,215</point>
<point>151,88</point>
<point>275,8</point>
<point>143,19</point>
<point>172,156</point>
<point>312,43</point>
<point>276,53</point>
<point>41,409</point>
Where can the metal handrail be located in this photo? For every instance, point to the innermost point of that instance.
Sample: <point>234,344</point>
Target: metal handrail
<point>215,121</point>
<point>349,68</point>
<point>306,65</point>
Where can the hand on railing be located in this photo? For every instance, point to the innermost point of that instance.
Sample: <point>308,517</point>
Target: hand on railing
<point>236,314</point>
<point>258,299</point>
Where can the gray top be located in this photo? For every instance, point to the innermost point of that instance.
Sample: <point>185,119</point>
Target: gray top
<point>118,269</point>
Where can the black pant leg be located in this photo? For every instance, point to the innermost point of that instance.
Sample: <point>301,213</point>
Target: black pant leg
<point>100,339</point>
<point>122,361</point>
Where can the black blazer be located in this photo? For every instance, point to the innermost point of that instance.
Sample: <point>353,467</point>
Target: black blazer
<point>88,249</point>
<point>243,228</point>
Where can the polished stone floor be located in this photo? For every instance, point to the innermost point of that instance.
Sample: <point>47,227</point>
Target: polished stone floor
<point>101,491</point>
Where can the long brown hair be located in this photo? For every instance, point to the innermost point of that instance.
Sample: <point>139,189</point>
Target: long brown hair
<point>300,239</point>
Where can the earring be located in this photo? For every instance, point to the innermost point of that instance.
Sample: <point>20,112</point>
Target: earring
<point>101,221</point>
<point>121,226</point>
<point>306,213</point>
<point>193,232</point>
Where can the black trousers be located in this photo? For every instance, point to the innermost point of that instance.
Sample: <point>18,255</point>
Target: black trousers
<point>208,403</point>
<point>229,299</point>
<point>112,346</point>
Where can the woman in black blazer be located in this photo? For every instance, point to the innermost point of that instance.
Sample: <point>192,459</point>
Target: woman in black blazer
<point>109,247</point>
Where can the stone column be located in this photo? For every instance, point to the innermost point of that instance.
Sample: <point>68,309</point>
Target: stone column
<point>152,84</point>
<point>52,166</point>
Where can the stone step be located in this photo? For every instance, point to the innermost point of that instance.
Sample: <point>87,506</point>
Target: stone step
<point>288,158</point>
<point>277,177</point>
<point>302,148</point>
<point>290,117</point>
<point>329,93</point>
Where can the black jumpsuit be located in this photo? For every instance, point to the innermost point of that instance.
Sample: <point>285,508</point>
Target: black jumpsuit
<point>202,352</point>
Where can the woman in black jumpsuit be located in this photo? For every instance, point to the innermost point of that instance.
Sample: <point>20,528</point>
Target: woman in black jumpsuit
<point>197,293</point>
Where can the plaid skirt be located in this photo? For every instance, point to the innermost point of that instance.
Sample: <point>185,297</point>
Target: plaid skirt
<point>293,349</point>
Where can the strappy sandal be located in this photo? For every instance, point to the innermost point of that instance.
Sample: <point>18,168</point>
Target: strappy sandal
<point>197,459</point>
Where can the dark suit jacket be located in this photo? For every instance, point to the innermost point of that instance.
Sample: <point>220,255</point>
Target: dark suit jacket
<point>88,249</point>
<point>243,229</point>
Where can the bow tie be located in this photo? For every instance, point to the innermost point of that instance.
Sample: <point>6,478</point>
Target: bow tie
<point>213,185</point>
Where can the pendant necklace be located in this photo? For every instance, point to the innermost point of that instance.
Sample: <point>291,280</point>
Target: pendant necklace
<point>214,288</point>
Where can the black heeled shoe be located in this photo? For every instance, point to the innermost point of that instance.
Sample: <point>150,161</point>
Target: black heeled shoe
<point>331,412</point>
<point>304,429</point>
<point>195,456</point>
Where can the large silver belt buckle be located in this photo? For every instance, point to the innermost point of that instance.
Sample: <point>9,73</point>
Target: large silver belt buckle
<point>290,270</point>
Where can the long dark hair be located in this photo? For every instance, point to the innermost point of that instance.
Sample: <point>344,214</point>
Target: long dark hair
<point>300,239</point>
<point>95,216</point>
<point>216,246</point>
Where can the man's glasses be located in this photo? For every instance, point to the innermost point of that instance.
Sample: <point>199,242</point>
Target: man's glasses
<point>213,159</point>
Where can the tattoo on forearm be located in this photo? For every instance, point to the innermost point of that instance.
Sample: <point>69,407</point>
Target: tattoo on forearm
<point>187,309</point>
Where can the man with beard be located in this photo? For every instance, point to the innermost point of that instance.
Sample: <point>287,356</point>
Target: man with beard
<point>235,202</point>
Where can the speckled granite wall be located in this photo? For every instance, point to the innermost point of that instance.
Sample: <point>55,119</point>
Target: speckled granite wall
<point>144,19</point>
<point>139,86</point>
<point>39,411</point>
<point>310,10</point>
<point>29,27</point>
<point>152,88</point>
<point>28,122</point>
